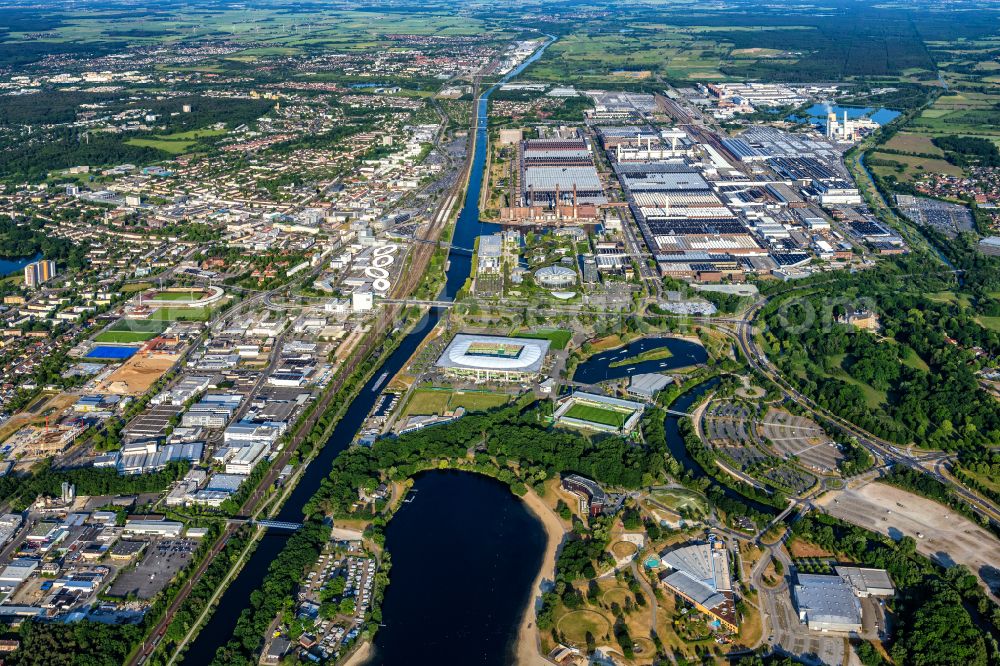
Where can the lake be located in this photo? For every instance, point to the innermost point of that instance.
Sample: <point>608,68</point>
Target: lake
<point>817,114</point>
<point>465,552</point>
<point>9,265</point>
<point>598,368</point>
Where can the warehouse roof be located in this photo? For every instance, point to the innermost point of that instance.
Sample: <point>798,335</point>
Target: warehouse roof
<point>543,179</point>
<point>827,600</point>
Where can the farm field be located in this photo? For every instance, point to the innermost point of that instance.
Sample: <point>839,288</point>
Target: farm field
<point>909,142</point>
<point>914,167</point>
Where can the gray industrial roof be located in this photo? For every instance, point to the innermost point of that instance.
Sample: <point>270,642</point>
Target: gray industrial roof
<point>648,384</point>
<point>865,580</point>
<point>827,600</point>
<point>574,154</point>
<point>546,179</point>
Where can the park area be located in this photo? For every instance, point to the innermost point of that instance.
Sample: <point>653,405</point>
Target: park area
<point>434,401</point>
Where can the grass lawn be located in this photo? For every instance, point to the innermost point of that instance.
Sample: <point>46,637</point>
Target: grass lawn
<point>558,338</point>
<point>136,286</point>
<point>181,314</point>
<point>426,402</point>
<point>575,626</point>
<point>950,297</point>
<point>680,498</point>
<point>597,415</point>
<point>873,397</point>
<point>911,359</point>
<point>992,323</point>
<point>179,295</point>
<point>143,325</point>
<point>124,336</point>
<point>172,147</point>
<point>478,402</point>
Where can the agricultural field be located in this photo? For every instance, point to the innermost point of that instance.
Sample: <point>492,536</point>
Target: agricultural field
<point>908,168</point>
<point>588,58</point>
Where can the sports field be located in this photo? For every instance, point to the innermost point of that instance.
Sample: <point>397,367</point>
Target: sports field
<point>181,314</point>
<point>179,295</point>
<point>125,336</point>
<point>597,415</point>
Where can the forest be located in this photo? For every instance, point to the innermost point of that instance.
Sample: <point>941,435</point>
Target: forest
<point>913,381</point>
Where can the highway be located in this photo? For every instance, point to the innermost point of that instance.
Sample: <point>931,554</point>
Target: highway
<point>880,448</point>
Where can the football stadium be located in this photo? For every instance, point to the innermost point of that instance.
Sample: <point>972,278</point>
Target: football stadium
<point>493,358</point>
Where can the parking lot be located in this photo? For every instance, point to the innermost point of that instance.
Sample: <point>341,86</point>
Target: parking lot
<point>947,537</point>
<point>164,558</point>
<point>796,435</point>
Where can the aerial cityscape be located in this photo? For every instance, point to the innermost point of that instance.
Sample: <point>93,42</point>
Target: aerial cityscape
<point>541,333</point>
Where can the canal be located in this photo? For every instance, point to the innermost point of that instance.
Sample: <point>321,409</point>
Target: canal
<point>219,629</point>
<point>675,443</point>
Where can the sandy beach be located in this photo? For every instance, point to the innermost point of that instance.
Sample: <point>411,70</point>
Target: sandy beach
<point>527,653</point>
<point>360,655</point>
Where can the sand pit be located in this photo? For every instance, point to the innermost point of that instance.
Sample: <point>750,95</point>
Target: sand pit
<point>137,374</point>
<point>948,538</point>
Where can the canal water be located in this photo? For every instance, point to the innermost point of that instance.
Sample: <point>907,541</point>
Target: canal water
<point>219,628</point>
<point>599,368</point>
<point>675,442</point>
<point>461,572</point>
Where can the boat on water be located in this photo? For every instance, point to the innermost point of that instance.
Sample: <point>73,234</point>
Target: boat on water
<point>380,381</point>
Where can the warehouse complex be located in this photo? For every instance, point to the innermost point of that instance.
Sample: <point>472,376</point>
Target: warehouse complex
<point>831,603</point>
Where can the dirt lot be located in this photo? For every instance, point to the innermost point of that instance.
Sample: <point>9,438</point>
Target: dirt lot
<point>948,539</point>
<point>47,405</point>
<point>138,373</point>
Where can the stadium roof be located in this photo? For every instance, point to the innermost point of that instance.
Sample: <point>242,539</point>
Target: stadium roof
<point>487,352</point>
